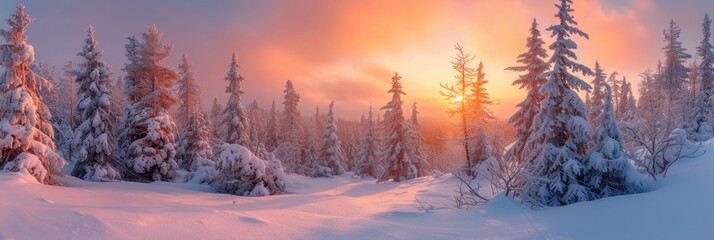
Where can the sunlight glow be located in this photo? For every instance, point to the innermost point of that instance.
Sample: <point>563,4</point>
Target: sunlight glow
<point>458,99</point>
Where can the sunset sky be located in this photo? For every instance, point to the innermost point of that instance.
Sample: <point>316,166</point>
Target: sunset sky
<point>347,50</point>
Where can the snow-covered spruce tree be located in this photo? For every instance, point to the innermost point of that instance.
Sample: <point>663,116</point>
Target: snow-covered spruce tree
<point>194,146</point>
<point>25,131</point>
<point>630,113</point>
<point>607,170</point>
<point>65,120</point>
<point>395,158</point>
<point>241,173</point>
<point>133,89</point>
<point>186,90</point>
<point>348,135</point>
<point>271,130</point>
<point>416,146</point>
<point>615,86</point>
<point>597,96</point>
<point>319,123</point>
<point>49,93</point>
<point>151,154</point>
<point>66,102</point>
<point>291,124</point>
<point>556,178</point>
<point>693,83</point>
<point>257,125</point>
<point>456,95</point>
<point>533,65</point>
<point>673,76</point>
<point>625,95</point>
<point>94,137</point>
<point>627,116</point>
<point>674,72</point>
<point>479,115</point>
<point>216,117</point>
<point>331,151</point>
<point>701,128</point>
<point>291,132</point>
<point>119,102</point>
<point>310,166</point>
<point>234,128</point>
<point>366,163</point>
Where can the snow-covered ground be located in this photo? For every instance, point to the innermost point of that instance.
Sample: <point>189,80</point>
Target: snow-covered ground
<point>680,206</point>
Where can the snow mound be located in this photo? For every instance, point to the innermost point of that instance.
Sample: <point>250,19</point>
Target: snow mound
<point>675,207</point>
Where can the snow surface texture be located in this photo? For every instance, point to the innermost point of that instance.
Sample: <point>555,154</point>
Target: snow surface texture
<point>676,207</point>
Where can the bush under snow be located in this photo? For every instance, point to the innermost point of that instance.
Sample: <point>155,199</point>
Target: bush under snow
<point>241,173</point>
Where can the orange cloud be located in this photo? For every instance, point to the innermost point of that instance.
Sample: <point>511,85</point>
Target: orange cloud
<point>347,50</point>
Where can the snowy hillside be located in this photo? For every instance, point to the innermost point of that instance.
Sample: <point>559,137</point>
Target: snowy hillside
<point>676,207</point>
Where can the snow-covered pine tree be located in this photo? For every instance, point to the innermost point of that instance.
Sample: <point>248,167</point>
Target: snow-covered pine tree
<point>331,151</point>
<point>194,146</point>
<point>366,163</point>
<point>310,164</point>
<point>597,96</point>
<point>564,131</point>
<point>151,153</point>
<point>395,160</point>
<point>290,131</point>
<point>292,121</point>
<point>195,150</point>
<point>694,78</point>
<point>119,102</point>
<point>674,72</point>
<point>319,123</point>
<point>216,117</point>
<point>134,88</point>
<point>234,128</point>
<point>186,89</point>
<point>49,93</point>
<point>67,102</point>
<point>271,129</point>
<point>65,120</point>
<point>479,114</point>
<point>701,126</point>
<point>607,169</point>
<point>621,109</point>
<point>416,145</point>
<point>533,66</point>
<point>25,131</point>
<point>648,99</point>
<point>380,134</point>
<point>348,135</point>
<point>630,115</point>
<point>456,95</point>
<point>256,122</point>
<point>95,138</point>
<point>615,86</point>
<point>673,76</point>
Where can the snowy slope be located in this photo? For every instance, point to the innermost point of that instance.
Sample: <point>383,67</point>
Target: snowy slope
<point>676,207</point>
